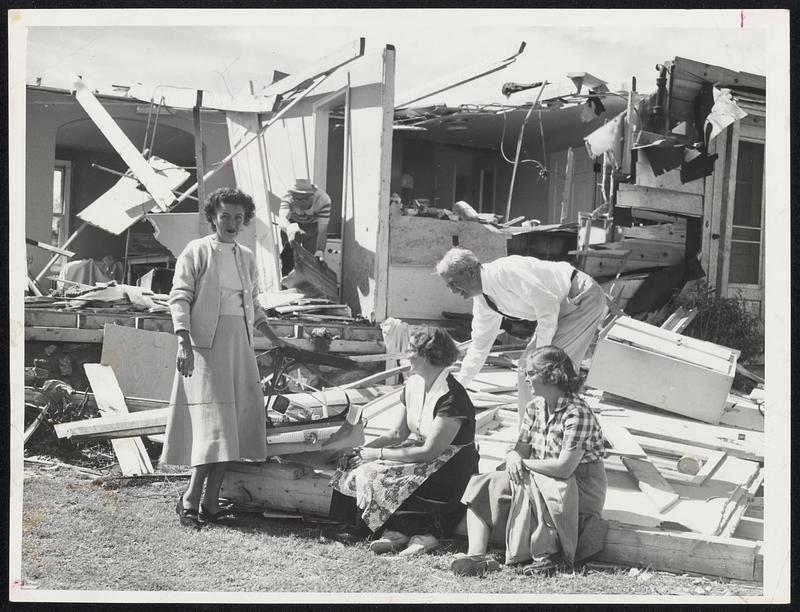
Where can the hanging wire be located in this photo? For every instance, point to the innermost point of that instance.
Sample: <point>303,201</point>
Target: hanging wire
<point>147,128</point>
<point>155,127</point>
<point>542,167</point>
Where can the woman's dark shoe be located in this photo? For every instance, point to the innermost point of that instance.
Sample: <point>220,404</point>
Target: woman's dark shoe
<point>187,516</point>
<point>546,565</point>
<point>346,534</point>
<point>474,565</point>
<point>223,515</point>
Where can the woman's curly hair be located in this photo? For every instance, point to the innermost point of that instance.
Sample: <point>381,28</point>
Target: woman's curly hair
<point>229,195</point>
<point>434,345</point>
<point>552,366</point>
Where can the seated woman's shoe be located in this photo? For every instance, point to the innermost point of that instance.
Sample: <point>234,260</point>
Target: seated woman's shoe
<point>390,541</point>
<point>188,517</point>
<point>420,544</point>
<point>542,566</point>
<point>346,534</point>
<point>224,514</point>
<point>474,565</point>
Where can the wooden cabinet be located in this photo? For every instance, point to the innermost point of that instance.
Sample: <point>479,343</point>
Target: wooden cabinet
<point>663,369</point>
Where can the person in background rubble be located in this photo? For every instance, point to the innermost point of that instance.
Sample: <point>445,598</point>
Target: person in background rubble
<point>216,410</point>
<point>303,217</point>
<point>549,498</point>
<point>428,454</point>
<point>567,305</point>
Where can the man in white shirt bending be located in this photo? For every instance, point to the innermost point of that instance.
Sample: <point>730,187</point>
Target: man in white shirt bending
<point>567,304</point>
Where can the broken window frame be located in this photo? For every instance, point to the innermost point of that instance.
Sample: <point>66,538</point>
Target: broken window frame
<point>61,219</point>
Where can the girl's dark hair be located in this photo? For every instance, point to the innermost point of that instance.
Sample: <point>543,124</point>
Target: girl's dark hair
<point>553,366</point>
<point>433,344</point>
<point>229,195</point>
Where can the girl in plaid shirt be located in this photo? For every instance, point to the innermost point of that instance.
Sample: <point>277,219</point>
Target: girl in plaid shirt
<point>549,497</point>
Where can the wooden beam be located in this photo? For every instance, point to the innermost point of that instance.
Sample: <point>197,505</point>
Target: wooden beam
<point>280,486</point>
<point>465,76</point>
<point>55,258</point>
<point>154,184</point>
<point>62,334</point>
<point>348,53</point>
<point>627,143</point>
<point>199,159</point>
<point>681,552</point>
<point>49,247</point>
<point>260,343</point>
<point>675,202</point>
<point>131,453</point>
<point>144,423</point>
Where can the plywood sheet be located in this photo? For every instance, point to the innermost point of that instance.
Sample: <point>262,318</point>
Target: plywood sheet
<point>423,241</point>
<point>124,204</point>
<point>144,361</point>
<point>415,292</point>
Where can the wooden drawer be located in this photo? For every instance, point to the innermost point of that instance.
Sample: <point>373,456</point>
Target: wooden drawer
<point>663,369</point>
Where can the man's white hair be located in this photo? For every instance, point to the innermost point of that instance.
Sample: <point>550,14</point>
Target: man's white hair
<point>456,261</point>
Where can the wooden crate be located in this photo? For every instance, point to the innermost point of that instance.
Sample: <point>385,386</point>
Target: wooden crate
<point>663,369</point>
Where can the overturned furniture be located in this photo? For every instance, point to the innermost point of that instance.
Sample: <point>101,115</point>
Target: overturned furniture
<point>664,369</point>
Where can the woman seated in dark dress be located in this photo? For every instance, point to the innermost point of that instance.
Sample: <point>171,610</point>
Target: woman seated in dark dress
<point>428,456</point>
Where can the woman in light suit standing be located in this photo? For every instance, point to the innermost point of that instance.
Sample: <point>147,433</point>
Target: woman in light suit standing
<point>216,411</point>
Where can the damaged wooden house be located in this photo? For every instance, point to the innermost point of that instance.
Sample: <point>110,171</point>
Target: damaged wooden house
<point>644,191</point>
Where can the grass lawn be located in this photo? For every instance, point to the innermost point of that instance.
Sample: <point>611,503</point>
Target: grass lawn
<point>111,534</point>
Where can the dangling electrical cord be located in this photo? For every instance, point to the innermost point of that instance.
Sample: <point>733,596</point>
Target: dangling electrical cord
<point>542,167</point>
<point>503,153</point>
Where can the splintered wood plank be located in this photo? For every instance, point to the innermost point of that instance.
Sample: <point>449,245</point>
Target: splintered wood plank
<point>143,361</point>
<point>131,453</point>
<point>154,184</point>
<point>651,483</point>
<point>124,204</point>
<point>145,423</point>
<point>664,200</point>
